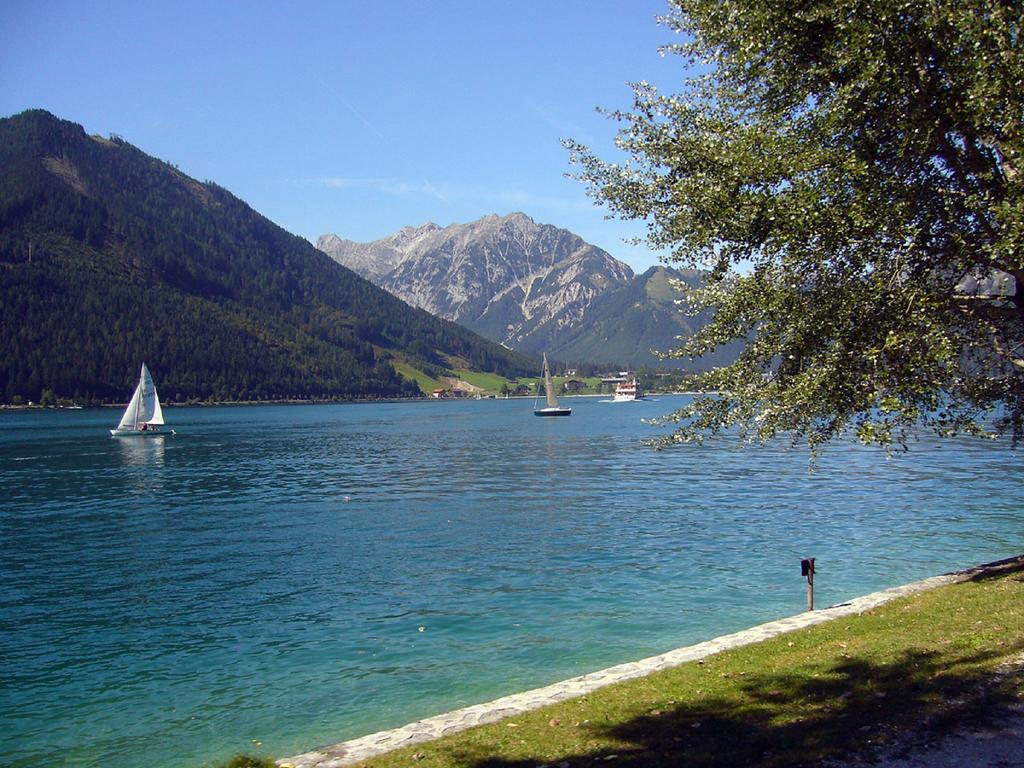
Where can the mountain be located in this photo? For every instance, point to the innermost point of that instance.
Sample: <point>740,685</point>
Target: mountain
<point>109,257</point>
<point>508,278</point>
<point>532,287</point>
<point>631,323</point>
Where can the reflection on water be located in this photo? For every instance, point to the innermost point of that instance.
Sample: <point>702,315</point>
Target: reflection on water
<point>264,573</point>
<point>142,451</point>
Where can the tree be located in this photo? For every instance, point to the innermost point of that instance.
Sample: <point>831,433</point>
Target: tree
<point>849,172</point>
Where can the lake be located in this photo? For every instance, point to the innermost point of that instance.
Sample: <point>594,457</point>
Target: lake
<point>298,575</point>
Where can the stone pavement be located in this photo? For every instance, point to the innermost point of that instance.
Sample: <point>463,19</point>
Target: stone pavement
<point>999,744</point>
<point>355,750</point>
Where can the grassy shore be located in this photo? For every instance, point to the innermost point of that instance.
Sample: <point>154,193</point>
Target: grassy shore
<point>908,670</point>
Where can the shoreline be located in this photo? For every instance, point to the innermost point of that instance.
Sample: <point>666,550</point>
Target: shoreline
<point>351,401</point>
<point>428,729</point>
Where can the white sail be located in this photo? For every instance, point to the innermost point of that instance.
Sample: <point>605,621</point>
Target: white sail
<point>144,407</point>
<point>549,388</point>
<point>157,416</point>
<point>128,419</point>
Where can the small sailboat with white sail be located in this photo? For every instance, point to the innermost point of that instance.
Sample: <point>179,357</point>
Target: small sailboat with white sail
<point>553,408</point>
<point>143,417</point>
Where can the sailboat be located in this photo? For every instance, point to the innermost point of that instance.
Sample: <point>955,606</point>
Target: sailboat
<point>553,408</point>
<point>143,416</point>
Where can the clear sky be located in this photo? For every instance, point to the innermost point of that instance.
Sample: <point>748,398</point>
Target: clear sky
<point>356,118</point>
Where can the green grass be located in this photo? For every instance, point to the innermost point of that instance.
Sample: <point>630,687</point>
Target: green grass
<point>426,383</point>
<point>489,382</point>
<point>851,684</point>
<point>592,382</point>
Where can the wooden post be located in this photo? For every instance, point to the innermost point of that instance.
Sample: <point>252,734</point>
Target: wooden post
<point>807,569</point>
<point>810,588</point>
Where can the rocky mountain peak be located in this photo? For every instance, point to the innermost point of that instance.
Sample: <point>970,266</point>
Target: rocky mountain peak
<point>520,221</point>
<point>506,274</point>
<point>531,286</point>
<point>409,234</point>
<point>328,242</point>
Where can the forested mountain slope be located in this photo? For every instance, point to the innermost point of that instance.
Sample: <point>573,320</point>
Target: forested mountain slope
<point>633,323</point>
<point>109,257</point>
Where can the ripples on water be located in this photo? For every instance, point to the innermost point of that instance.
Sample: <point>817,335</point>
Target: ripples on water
<point>265,573</point>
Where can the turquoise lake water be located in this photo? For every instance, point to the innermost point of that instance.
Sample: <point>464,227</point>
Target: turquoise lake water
<point>298,575</point>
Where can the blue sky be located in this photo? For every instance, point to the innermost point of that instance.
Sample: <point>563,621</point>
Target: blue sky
<point>355,118</point>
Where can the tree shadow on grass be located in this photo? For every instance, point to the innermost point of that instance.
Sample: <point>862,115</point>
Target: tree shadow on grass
<point>856,706</point>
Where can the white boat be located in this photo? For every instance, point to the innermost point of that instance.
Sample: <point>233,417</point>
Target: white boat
<point>143,417</point>
<point>553,408</point>
<point>628,390</point>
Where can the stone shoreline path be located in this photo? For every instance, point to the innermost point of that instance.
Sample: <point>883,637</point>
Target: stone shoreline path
<point>353,751</point>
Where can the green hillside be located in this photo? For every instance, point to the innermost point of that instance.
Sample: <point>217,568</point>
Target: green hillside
<point>109,257</point>
<point>626,324</point>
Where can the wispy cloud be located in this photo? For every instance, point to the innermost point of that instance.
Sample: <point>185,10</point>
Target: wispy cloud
<point>395,187</point>
<point>553,118</point>
<point>387,186</point>
<point>349,106</point>
<point>530,201</point>
<point>456,193</point>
